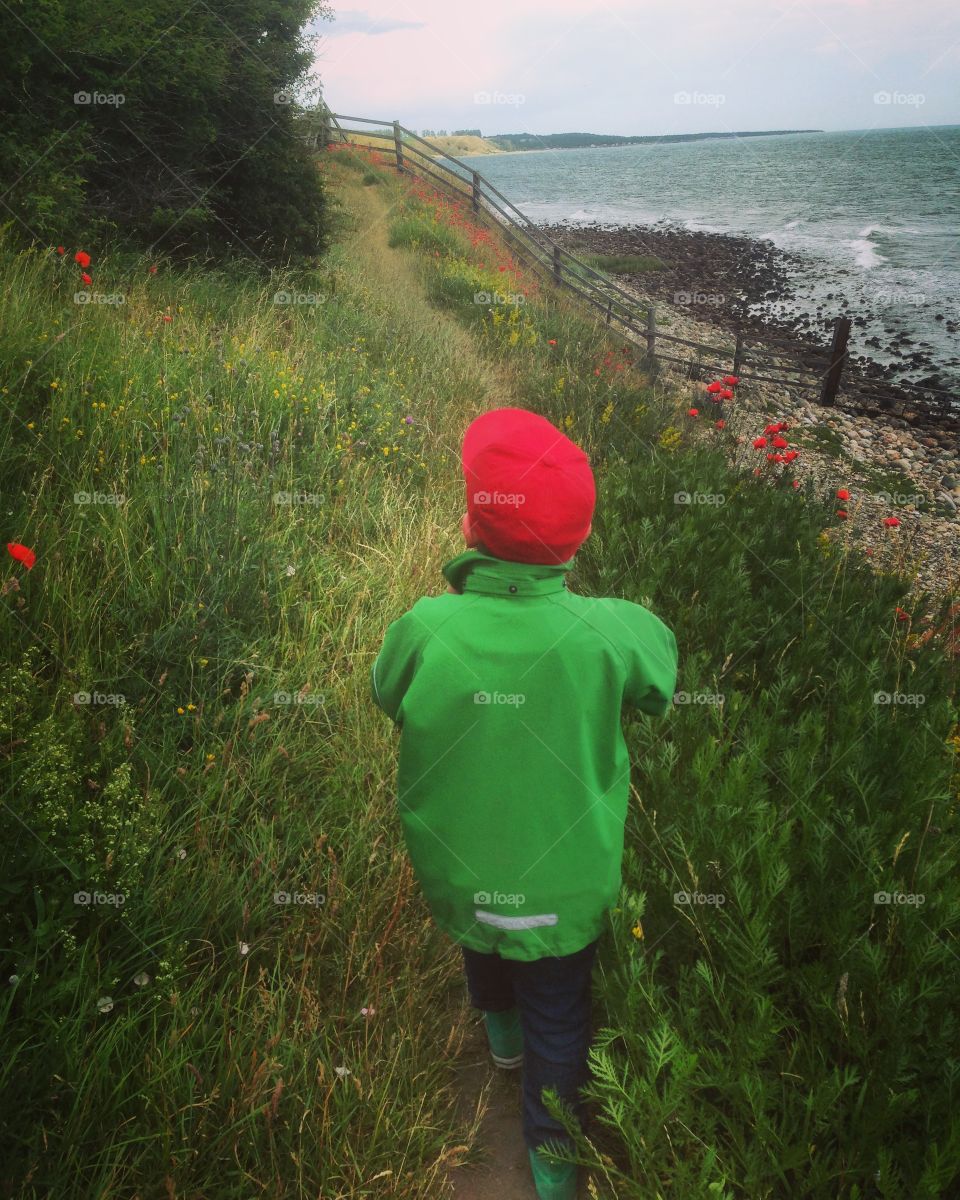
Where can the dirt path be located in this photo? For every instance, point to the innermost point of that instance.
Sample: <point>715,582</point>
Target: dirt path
<point>504,1172</point>
<point>486,1098</point>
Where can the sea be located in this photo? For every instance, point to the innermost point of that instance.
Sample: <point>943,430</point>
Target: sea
<point>874,213</point>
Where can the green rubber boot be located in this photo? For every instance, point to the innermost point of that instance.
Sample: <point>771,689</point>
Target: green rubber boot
<point>506,1038</point>
<point>553,1181</point>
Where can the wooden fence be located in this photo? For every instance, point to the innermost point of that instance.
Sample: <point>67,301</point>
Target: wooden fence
<point>753,358</point>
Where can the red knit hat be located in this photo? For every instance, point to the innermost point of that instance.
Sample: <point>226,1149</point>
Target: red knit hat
<point>530,490</point>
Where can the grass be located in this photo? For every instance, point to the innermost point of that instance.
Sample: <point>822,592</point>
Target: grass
<point>824,439</point>
<point>228,508</point>
<point>273,499</point>
<point>623,264</point>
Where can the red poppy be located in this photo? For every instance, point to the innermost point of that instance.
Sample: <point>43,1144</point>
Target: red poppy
<point>22,554</point>
<point>61,250</point>
<point>790,455</point>
<point>796,483</point>
<point>714,387</point>
<point>781,443</point>
<point>168,319</point>
<point>842,514</point>
<point>868,552</point>
<point>552,342</point>
<point>693,412</point>
<point>153,270</point>
<point>759,443</point>
<point>843,494</point>
<point>731,380</point>
<point>757,471</point>
<point>82,257</point>
<point>721,424</point>
<point>901,615</point>
<point>726,394</point>
<point>891,522</point>
<point>86,278</point>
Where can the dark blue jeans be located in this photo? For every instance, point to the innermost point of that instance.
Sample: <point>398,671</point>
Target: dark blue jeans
<point>553,996</point>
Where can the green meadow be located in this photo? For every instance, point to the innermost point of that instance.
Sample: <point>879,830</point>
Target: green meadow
<point>220,978</point>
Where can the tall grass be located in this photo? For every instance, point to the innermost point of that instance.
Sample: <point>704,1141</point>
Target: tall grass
<point>778,991</point>
<point>228,508</point>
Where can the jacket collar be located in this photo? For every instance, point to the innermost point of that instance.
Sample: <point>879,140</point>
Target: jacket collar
<point>475,571</point>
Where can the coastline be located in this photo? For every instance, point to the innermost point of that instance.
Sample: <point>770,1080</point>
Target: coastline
<point>891,466</point>
<point>731,281</point>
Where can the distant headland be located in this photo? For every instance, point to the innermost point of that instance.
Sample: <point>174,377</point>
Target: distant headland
<point>572,141</point>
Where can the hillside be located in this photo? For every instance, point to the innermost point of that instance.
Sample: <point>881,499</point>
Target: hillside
<point>233,480</point>
<point>458,144</point>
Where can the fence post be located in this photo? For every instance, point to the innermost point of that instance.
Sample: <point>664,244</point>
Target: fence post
<point>398,145</point>
<point>838,356</point>
<point>651,331</point>
<point>476,192</point>
<point>557,267</point>
<point>609,307</point>
<point>738,353</point>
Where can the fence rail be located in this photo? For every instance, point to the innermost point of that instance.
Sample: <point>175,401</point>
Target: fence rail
<point>812,373</point>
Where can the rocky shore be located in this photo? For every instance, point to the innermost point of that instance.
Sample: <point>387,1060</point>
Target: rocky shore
<point>890,468</point>
<point>728,281</point>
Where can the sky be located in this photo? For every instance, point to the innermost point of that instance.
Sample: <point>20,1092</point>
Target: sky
<point>678,66</point>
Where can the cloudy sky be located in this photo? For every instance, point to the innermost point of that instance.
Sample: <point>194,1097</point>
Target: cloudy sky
<point>677,66</point>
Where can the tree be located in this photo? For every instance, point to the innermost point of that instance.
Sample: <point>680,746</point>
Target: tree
<point>171,127</point>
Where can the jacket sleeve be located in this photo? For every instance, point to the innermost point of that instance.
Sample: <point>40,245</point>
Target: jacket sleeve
<point>650,650</point>
<point>393,668</point>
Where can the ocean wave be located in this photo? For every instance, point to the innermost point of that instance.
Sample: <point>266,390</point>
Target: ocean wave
<point>865,252</point>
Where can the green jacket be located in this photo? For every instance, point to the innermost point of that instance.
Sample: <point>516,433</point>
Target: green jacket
<point>513,774</point>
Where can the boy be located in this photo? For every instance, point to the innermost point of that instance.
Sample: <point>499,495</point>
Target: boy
<point>513,772</point>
